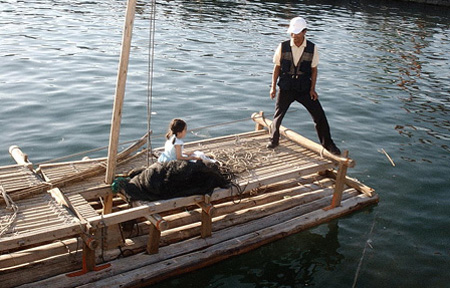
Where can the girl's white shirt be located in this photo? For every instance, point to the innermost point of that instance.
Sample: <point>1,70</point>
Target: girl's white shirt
<point>170,153</point>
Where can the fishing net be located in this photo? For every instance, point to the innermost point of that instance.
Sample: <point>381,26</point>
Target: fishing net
<point>184,178</point>
<point>173,179</point>
<point>243,156</point>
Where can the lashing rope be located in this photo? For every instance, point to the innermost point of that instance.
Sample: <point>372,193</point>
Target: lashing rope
<point>8,220</point>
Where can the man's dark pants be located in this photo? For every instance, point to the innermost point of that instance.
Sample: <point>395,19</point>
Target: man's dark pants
<point>285,99</point>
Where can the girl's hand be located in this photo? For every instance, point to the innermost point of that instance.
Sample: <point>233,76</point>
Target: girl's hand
<point>195,157</point>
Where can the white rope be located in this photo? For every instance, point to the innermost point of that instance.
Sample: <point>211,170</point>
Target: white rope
<point>83,153</point>
<point>368,244</point>
<point>8,220</point>
<point>151,55</point>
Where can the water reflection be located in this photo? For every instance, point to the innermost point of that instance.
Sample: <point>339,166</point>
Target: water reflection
<point>427,104</point>
<point>313,252</point>
<point>404,60</point>
<point>290,262</point>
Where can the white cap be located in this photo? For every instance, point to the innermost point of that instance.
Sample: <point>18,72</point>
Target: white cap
<point>297,25</point>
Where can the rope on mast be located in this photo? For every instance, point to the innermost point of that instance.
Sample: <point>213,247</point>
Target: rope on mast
<point>151,54</point>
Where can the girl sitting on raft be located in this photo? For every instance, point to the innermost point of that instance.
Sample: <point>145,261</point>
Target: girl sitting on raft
<point>173,149</point>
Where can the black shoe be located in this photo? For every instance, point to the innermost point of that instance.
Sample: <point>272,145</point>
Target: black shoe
<point>334,150</point>
<point>271,145</point>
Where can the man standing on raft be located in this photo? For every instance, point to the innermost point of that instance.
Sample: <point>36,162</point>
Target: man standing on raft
<point>295,69</point>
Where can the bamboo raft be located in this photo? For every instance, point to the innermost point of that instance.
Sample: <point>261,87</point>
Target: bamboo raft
<point>60,237</point>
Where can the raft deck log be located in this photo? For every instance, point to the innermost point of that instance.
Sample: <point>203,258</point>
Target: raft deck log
<point>283,190</point>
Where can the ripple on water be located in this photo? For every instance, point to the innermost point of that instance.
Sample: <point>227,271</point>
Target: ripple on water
<point>383,81</point>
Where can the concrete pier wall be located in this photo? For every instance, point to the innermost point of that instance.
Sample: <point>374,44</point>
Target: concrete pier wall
<point>432,2</point>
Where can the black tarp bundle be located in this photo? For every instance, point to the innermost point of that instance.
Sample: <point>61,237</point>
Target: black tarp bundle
<point>174,179</point>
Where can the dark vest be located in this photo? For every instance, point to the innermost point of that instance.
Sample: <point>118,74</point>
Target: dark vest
<point>295,77</point>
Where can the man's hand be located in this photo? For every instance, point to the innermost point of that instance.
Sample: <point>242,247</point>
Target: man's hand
<point>314,95</point>
<point>273,92</point>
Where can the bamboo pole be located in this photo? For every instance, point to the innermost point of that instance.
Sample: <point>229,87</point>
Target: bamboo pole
<point>259,126</point>
<point>32,238</point>
<point>118,101</point>
<point>304,141</point>
<point>20,157</point>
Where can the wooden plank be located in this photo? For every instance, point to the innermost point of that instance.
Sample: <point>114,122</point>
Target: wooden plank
<point>32,238</point>
<point>63,200</point>
<point>23,188</point>
<point>161,206</point>
<point>254,183</point>
<point>46,223</point>
<point>9,168</point>
<point>81,206</point>
<point>143,210</point>
<point>229,207</point>
<point>32,272</point>
<point>312,200</point>
<point>37,253</point>
<point>88,258</point>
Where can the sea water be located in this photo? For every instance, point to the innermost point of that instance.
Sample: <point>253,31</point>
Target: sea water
<point>383,82</point>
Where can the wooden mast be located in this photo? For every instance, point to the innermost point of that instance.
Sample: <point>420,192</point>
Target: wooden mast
<point>118,100</point>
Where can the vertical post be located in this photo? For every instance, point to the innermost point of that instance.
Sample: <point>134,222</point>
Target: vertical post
<point>206,229</point>
<point>118,100</point>
<point>157,224</point>
<point>88,258</point>
<point>259,126</point>
<point>89,246</point>
<point>207,210</point>
<point>339,184</point>
<point>153,241</point>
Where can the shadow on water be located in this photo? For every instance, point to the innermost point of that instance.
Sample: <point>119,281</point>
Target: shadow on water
<point>295,261</point>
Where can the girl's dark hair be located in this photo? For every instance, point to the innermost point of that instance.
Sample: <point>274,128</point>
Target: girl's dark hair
<point>175,126</point>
